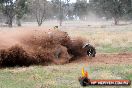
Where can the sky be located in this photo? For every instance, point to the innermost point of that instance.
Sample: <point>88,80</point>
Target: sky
<point>71,1</point>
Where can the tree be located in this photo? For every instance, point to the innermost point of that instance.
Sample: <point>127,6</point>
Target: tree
<point>21,9</point>
<point>115,8</point>
<point>60,8</point>
<point>10,8</point>
<point>80,9</point>
<point>55,8</point>
<point>63,8</point>
<point>38,8</point>
<point>128,8</point>
<point>112,8</point>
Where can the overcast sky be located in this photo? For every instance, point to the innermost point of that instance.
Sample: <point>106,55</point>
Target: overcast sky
<point>63,0</point>
<point>70,0</point>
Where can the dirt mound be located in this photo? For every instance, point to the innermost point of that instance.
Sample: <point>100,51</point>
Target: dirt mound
<point>15,56</point>
<point>39,47</point>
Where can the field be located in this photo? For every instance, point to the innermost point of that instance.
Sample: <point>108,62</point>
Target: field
<point>113,59</point>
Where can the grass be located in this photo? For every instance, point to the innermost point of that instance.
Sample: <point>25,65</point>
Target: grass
<point>60,76</point>
<point>110,49</point>
<point>113,39</point>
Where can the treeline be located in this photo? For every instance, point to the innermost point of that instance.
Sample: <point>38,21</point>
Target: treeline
<point>40,10</point>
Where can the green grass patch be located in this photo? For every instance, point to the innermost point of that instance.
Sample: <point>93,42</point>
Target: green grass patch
<point>60,76</point>
<point>110,49</point>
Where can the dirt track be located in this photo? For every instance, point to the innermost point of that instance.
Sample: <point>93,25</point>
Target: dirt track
<point>125,58</point>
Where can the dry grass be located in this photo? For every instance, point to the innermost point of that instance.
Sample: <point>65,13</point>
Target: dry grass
<point>41,43</point>
<point>104,38</point>
<point>113,39</point>
<point>66,76</point>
